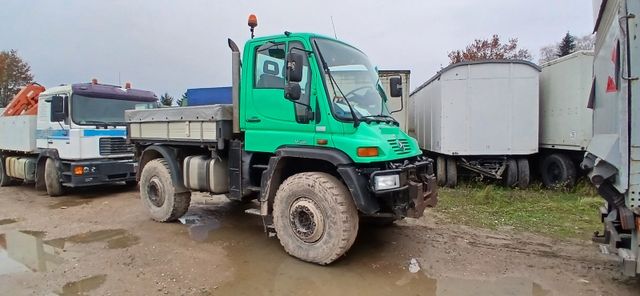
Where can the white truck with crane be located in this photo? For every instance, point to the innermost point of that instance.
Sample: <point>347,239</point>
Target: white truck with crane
<point>69,136</point>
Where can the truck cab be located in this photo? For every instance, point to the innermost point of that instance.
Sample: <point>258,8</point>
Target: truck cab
<point>78,137</point>
<point>309,136</point>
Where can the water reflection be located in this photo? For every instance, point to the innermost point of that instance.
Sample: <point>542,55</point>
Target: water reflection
<point>376,265</point>
<point>26,251</point>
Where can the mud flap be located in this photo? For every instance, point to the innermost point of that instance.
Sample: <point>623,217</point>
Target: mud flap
<point>423,195</point>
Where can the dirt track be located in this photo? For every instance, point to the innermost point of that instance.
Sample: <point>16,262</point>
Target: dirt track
<point>100,242</point>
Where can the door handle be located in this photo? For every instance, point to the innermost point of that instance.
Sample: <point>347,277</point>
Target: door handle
<point>253,119</point>
<point>49,142</point>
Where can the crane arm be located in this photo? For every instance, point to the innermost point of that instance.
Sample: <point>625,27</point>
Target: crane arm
<point>25,102</point>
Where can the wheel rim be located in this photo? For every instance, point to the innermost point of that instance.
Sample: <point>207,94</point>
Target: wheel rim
<point>155,191</point>
<point>306,219</point>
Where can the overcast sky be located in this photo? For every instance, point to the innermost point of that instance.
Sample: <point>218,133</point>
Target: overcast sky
<point>170,46</point>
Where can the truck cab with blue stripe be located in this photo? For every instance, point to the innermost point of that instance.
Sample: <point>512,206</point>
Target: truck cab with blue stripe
<point>79,137</point>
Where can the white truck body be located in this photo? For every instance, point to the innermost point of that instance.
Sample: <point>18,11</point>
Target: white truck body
<point>565,120</point>
<point>91,136</point>
<point>397,105</point>
<point>613,156</point>
<point>479,108</point>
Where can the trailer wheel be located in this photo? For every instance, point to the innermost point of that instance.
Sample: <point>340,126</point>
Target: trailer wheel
<point>452,172</point>
<point>558,170</point>
<point>158,192</point>
<point>315,217</point>
<point>524,173</point>
<point>52,178</point>
<point>441,170</point>
<point>5,180</point>
<point>511,173</point>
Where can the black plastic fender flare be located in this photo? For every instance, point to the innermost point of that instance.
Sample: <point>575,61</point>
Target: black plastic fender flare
<point>170,154</point>
<point>357,184</point>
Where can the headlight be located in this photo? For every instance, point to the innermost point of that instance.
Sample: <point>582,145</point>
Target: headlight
<point>386,182</point>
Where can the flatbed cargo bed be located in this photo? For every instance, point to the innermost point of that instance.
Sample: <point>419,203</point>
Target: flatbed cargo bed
<point>195,125</point>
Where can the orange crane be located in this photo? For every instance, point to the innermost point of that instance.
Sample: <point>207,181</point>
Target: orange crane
<point>25,102</point>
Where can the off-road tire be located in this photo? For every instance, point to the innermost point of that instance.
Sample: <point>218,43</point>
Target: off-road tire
<point>52,178</point>
<point>511,173</point>
<point>5,180</point>
<point>452,172</point>
<point>158,195</point>
<point>441,170</point>
<point>332,201</point>
<point>524,173</point>
<point>557,170</point>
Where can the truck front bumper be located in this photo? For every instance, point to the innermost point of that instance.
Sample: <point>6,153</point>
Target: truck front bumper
<point>417,189</point>
<point>97,172</point>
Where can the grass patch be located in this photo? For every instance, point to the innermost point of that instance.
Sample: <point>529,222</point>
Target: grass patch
<point>556,213</point>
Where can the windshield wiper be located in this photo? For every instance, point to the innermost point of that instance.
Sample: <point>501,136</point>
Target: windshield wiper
<point>334,85</point>
<point>391,119</point>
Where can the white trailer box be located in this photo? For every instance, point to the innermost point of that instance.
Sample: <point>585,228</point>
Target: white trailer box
<point>479,115</point>
<point>398,105</point>
<point>565,84</point>
<point>18,133</point>
<point>479,108</point>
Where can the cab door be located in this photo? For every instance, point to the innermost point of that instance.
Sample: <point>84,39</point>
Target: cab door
<point>271,120</point>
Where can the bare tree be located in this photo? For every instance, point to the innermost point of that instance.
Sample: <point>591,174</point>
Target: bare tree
<point>490,49</point>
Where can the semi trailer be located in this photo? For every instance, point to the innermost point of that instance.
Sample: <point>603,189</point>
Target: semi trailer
<point>68,136</point>
<point>612,159</point>
<point>565,119</point>
<point>481,116</point>
<point>308,135</point>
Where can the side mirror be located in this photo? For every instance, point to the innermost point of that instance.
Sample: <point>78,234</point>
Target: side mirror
<point>292,91</point>
<point>58,110</point>
<point>395,85</point>
<point>294,67</point>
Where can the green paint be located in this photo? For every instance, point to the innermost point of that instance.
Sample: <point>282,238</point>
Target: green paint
<point>277,125</point>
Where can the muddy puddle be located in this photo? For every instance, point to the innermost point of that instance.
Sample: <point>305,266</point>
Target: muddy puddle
<point>69,203</point>
<point>113,239</point>
<point>83,286</point>
<point>376,264</point>
<point>26,251</point>
<point>7,221</point>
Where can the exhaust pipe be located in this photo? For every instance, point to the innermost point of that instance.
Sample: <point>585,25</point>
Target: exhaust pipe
<point>236,64</point>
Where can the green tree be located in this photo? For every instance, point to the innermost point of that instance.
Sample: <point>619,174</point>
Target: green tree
<point>490,49</point>
<point>183,100</point>
<point>14,74</point>
<point>166,99</point>
<point>567,45</point>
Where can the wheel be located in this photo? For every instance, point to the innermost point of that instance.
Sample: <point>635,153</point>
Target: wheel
<point>52,178</point>
<point>5,180</point>
<point>441,170</point>
<point>452,172</point>
<point>511,173</point>
<point>558,170</point>
<point>158,192</point>
<point>524,173</point>
<point>315,217</point>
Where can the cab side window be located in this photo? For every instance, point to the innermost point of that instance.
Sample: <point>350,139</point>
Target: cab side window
<point>305,85</point>
<point>269,67</point>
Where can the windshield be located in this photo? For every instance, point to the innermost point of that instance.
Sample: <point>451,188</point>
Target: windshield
<point>355,79</point>
<point>102,111</point>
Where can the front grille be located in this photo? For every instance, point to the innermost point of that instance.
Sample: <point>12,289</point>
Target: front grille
<point>400,146</point>
<point>114,146</point>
